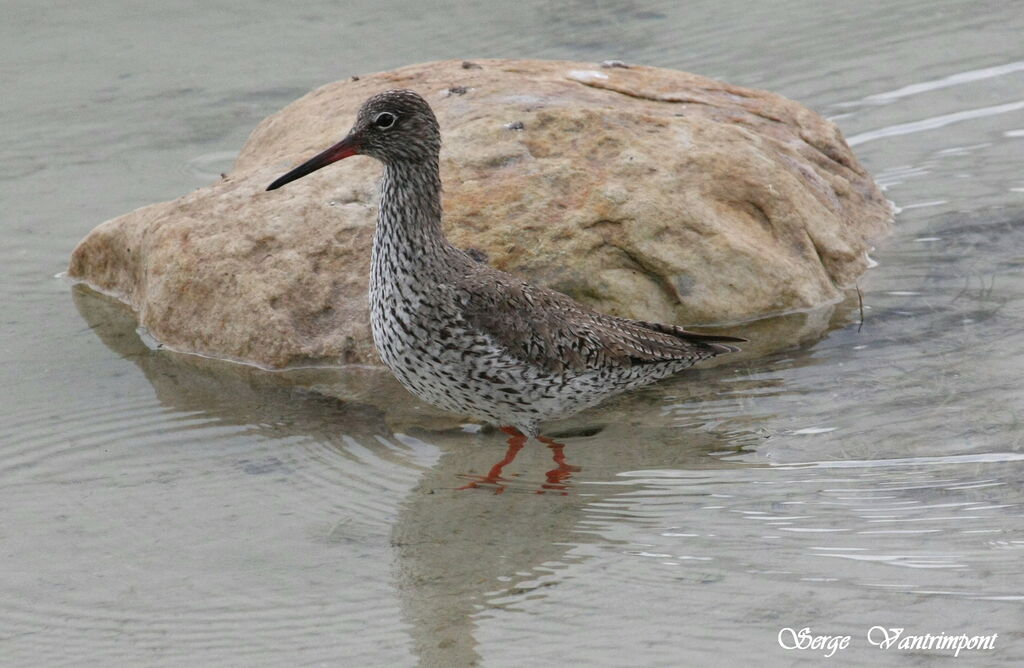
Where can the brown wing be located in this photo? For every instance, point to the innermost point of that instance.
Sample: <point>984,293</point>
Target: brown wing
<point>552,331</point>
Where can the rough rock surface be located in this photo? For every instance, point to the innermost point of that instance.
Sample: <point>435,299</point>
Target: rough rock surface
<point>644,192</point>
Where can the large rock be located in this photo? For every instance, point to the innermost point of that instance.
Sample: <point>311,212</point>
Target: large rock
<point>641,191</point>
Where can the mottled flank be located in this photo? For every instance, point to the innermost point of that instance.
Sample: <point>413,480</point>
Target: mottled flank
<point>473,340</point>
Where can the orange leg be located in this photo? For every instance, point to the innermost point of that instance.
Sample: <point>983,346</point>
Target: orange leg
<point>516,441</point>
<point>558,476</point>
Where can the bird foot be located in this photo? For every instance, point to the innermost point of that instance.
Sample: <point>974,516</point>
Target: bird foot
<point>516,441</point>
<point>558,477</point>
<point>556,480</point>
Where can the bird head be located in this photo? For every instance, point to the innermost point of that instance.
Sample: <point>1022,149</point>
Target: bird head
<point>393,126</point>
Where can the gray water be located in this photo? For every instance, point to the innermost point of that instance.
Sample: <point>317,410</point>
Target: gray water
<point>165,510</point>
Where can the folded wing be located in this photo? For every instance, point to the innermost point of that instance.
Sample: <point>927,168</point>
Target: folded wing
<point>550,330</point>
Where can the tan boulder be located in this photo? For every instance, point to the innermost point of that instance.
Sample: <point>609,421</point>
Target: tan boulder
<point>641,191</point>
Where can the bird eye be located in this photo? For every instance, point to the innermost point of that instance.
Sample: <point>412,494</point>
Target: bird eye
<point>384,120</point>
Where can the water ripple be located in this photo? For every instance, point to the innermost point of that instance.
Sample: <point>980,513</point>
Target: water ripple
<point>934,122</point>
<point>765,521</point>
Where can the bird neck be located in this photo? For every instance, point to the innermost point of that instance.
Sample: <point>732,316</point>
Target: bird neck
<point>410,209</point>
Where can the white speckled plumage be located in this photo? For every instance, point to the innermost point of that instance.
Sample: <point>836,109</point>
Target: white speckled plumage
<point>471,339</point>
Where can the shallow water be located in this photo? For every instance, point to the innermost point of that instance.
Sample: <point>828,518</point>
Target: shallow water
<point>167,510</point>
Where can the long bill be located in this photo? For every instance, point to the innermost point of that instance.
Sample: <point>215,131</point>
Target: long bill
<point>346,147</point>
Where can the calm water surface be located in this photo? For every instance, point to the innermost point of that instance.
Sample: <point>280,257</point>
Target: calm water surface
<point>165,510</point>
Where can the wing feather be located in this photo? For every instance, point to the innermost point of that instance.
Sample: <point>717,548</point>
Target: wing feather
<point>550,330</point>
